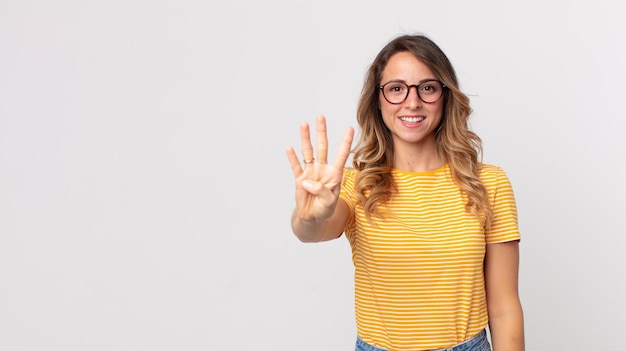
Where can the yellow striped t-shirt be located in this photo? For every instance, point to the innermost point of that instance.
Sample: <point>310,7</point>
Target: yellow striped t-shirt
<point>419,281</point>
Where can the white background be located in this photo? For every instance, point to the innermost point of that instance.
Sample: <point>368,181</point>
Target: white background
<point>145,194</point>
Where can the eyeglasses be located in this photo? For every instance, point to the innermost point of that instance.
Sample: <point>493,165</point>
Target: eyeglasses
<point>429,91</point>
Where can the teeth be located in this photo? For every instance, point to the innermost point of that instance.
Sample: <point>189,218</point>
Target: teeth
<point>412,119</point>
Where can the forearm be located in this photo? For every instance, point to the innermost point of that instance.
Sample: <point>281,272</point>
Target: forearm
<point>314,231</point>
<point>507,329</point>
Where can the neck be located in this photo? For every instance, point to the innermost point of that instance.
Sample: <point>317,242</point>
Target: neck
<point>422,158</point>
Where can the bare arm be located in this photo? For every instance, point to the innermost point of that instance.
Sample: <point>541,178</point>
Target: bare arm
<point>321,231</point>
<point>319,214</point>
<point>506,321</point>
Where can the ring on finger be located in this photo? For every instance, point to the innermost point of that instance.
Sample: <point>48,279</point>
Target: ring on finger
<point>309,161</point>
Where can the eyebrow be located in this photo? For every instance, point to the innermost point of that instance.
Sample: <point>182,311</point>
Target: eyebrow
<point>418,83</point>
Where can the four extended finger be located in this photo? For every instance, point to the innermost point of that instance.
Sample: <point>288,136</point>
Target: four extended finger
<point>344,148</point>
<point>296,167</point>
<point>307,148</point>
<point>321,140</point>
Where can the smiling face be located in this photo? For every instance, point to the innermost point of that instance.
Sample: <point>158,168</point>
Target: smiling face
<point>413,122</point>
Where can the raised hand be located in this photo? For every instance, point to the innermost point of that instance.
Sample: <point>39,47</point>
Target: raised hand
<point>318,182</point>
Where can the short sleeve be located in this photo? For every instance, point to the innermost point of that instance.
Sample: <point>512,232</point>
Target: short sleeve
<point>504,226</point>
<point>347,193</point>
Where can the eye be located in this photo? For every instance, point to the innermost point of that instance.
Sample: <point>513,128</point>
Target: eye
<point>395,88</point>
<point>429,87</point>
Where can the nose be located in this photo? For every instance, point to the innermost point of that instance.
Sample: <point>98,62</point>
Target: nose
<point>413,100</point>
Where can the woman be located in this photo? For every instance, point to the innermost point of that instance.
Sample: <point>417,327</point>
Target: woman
<point>433,231</point>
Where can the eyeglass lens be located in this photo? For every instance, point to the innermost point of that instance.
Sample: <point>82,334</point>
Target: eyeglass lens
<point>397,92</point>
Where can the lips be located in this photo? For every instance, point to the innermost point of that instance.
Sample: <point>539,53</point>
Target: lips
<point>408,119</point>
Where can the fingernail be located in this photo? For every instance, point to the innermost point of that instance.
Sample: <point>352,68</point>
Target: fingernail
<point>306,184</point>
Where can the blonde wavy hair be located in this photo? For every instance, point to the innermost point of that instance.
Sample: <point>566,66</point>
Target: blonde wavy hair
<point>459,147</point>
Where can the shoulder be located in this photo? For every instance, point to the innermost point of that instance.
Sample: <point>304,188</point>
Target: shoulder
<point>495,179</point>
<point>347,193</point>
<point>349,178</point>
<point>350,172</point>
<point>487,170</point>
<point>491,174</point>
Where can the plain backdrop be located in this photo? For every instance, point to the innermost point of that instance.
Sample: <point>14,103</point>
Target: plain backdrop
<point>145,194</point>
